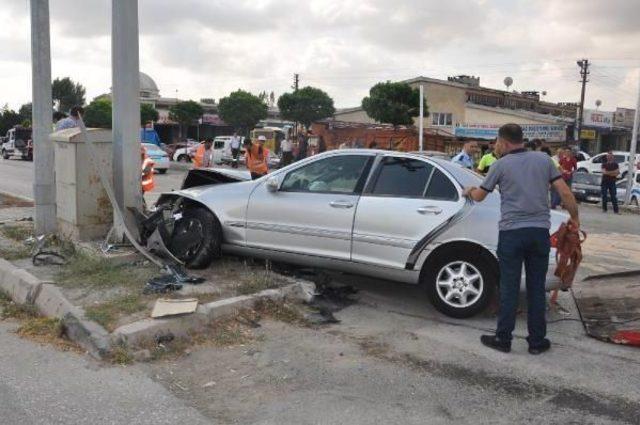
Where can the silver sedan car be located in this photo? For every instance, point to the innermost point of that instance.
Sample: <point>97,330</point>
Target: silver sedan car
<point>391,215</point>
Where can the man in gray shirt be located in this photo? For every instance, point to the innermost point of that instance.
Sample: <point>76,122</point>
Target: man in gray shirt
<point>523,178</point>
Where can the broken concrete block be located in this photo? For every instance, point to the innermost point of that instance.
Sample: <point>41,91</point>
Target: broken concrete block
<point>89,335</point>
<point>301,291</point>
<point>52,303</point>
<point>20,285</point>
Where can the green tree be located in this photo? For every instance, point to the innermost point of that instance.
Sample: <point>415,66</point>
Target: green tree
<point>306,105</point>
<point>67,94</point>
<point>393,103</point>
<point>98,113</point>
<point>25,111</point>
<point>8,119</point>
<point>148,113</point>
<point>242,110</point>
<point>185,113</point>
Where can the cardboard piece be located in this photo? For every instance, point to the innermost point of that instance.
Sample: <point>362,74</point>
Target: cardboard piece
<point>171,307</point>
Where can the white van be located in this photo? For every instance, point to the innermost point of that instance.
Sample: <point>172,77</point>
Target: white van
<point>222,149</point>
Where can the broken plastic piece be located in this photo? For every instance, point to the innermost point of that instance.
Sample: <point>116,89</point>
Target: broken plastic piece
<point>161,284</point>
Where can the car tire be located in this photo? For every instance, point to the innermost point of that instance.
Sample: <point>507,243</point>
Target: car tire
<point>439,271</point>
<point>582,170</point>
<point>202,223</point>
<point>162,171</point>
<point>5,155</point>
<point>184,158</point>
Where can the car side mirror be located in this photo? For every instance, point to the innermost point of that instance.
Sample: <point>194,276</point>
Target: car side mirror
<point>272,184</point>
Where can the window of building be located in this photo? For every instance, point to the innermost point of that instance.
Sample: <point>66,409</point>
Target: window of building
<point>441,119</point>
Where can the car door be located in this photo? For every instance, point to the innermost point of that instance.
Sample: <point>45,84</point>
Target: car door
<point>405,199</point>
<point>595,165</point>
<point>312,210</point>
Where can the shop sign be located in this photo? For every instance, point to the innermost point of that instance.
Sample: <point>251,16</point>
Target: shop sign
<point>587,134</point>
<point>593,118</point>
<point>551,132</point>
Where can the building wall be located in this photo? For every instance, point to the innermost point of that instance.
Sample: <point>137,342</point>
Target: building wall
<point>479,116</point>
<point>442,98</point>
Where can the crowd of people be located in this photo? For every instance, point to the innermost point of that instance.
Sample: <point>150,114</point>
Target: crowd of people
<point>566,163</point>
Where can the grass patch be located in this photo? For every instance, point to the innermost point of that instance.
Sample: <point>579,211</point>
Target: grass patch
<point>16,253</point>
<point>121,356</point>
<point>12,310</point>
<point>46,330</point>
<point>256,281</point>
<point>108,312</point>
<point>86,270</point>
<point>280,311</point>
<point>17,232</point>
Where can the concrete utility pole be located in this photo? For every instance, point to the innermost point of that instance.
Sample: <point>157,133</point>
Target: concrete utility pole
<point>44,188</point>
<point>126,109</point>
<point>632,150</point>
<point>296,82</point>
<point>420,135</point>
<point>584,72</point>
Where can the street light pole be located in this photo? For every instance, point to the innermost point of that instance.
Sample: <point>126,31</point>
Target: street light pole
<point>126,110</point>
<point>44,189</point>
<point>632,151</point>
<point>421,126</point>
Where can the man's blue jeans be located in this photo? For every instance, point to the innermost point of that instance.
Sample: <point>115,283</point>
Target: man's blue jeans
<point>529,246</point>
<point>609,188</point>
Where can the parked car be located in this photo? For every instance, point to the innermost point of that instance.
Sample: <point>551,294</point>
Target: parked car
<point>586,187</point>
<point>391,215</point>
<point>158,156</point>
<point>222,150</point>
<point>18,143</point>
<point>186,152</point>
<point>594,165</point>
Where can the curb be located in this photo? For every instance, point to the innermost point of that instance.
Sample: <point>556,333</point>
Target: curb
<point>134,333</point>
<point>626,273</point>
<point>24,288</point>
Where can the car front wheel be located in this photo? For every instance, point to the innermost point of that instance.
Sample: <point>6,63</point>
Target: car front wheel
<point>460,284</point>
<point>196,238</point>
<point>5,155</point>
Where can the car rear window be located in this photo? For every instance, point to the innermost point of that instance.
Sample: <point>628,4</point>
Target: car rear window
<point>441,187</point>
<point>402,177</point>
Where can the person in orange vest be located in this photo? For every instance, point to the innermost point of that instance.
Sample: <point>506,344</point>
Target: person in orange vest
<point>203,158</point>
<point>257,158</point>
<point>147,172</point>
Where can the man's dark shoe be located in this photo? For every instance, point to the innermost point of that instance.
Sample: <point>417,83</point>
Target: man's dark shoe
<point>541,348</point>
<point>492,341</point>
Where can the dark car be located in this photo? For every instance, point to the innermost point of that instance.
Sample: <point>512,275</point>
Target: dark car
<point>586,187</point>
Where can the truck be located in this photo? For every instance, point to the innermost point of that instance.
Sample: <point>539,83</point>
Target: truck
<point>18,143</point>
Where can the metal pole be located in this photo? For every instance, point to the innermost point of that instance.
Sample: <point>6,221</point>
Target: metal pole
<point>584,71</point>
<point>44,188</point>
<point>421,126</point>
<point>632,151</point>
<point>126,110</point>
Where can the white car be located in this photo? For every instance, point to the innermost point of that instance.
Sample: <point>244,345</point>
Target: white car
<point>594,165</point>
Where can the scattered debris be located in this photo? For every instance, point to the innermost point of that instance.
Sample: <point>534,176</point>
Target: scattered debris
<point>172,307</point>
<point>209,384</point>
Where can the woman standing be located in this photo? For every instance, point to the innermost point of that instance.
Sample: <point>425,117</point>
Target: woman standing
<point>257,158</point>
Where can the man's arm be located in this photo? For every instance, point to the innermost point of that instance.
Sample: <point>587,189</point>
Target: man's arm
<point>568,200</point>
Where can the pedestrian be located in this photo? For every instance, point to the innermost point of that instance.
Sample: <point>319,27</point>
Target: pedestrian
<point>465,157</point>
<point>568,165</point>
<point>257,158</point>
<point>523,177</point>
<point>610,173</point>
<point>57,117</point>
<point>72,121</point>
<point>235,149</point>
<point>487,159</point>
<point>204,154</point>
<point>302,146</point>
<point>286,151</point>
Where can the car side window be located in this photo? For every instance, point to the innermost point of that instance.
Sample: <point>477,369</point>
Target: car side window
<point>598,159</point>
<point>441,187</point>
<point>337,174</point>
<point>619,159</point>
<point>402,177</point>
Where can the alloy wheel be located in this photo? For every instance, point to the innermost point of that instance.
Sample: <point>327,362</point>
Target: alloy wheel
<point>459,284</point>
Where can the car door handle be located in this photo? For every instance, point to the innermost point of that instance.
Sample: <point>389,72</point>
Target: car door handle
<point>430,210</point>
<point>341,204</point>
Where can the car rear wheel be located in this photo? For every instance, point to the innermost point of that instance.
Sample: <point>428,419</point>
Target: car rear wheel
<point>460,284</point>
<point>196,238</point>
<point>184,158</point>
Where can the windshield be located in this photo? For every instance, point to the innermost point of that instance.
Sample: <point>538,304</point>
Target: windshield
<point>584,178</point>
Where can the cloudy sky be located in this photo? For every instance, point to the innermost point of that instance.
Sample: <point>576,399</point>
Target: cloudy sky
<point>208,48</point>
